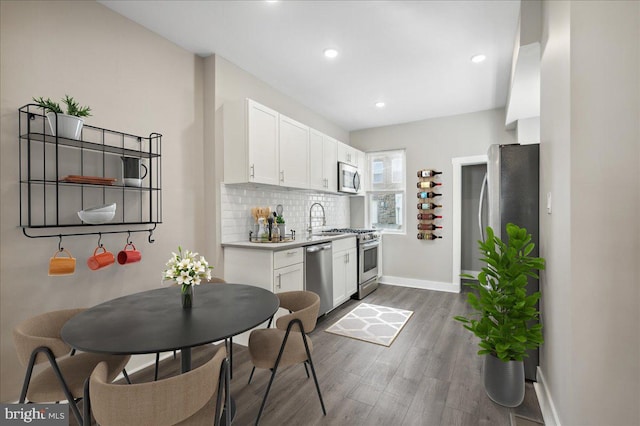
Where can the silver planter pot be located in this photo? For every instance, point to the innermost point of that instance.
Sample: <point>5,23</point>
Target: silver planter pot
<point>504,381</point>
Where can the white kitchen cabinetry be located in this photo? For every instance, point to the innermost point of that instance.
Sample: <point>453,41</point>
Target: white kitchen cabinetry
<point>345,272</point>
<point>323,162</point>
<point>265,268</point>
<point>263,137</point>
<point>276,271</point>
<point>347,154</point>
<point>294,153</point>
<point>288,278</point>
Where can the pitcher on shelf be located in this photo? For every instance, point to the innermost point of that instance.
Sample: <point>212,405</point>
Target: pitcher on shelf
<point>131,173</point>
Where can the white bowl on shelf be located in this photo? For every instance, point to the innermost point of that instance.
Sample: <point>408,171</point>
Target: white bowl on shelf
<point>99,214</point>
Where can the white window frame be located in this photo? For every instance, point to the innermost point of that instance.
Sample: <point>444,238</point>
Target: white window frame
<point>400,189</point>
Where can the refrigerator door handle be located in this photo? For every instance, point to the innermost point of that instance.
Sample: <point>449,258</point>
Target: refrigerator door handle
<point>480,204</point>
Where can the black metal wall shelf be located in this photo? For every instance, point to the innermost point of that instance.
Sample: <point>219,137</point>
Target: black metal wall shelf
<point>49,204</point>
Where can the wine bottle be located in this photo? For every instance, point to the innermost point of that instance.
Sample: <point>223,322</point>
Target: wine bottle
<point>428,206</point>
<point>428,216</point>
<point>428,173</point>
<point>428,184</point>
<point>428,227</point>
<point>425,194</point>
<point>427,236</point>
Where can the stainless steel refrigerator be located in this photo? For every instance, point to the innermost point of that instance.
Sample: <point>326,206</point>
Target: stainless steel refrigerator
<point>512,186</point>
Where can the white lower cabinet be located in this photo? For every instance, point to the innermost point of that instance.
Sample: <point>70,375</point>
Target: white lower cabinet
<point>276,271</point>
<point>289,278</point>
<point>345,272</point>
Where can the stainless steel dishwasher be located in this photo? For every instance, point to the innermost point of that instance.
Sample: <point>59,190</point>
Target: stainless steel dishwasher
<point>318,274</point>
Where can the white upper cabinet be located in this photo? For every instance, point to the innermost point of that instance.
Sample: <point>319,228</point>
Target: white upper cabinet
<point>330,157</point>
<point>347,154</point>
<point>294,152</point>
<point>262,135</point>
<point>323,162</point>
<point>263,146</point>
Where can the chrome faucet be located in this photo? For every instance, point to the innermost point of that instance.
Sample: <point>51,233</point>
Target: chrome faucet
<point>324,218</point>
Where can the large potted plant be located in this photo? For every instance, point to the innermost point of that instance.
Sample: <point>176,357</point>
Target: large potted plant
<point>67,125</point>
<point>506,317</point>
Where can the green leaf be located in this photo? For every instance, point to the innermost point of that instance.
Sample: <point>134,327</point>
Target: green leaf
<point>503,309</point>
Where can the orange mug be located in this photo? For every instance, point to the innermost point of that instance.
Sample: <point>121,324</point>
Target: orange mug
<point>100,260</point>
<point>129,256</point>
<point>62,265</point>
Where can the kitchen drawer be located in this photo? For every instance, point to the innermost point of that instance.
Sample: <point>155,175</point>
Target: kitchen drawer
<point>344,244</point>
<point>287,257</point>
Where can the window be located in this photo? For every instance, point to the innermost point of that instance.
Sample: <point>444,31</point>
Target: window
<point>386,195</point>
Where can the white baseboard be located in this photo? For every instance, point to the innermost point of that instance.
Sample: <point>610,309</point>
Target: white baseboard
<point>467,271</point>
<point>424,284</point>
<point>548,408</point>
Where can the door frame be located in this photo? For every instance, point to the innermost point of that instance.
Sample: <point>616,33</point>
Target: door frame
<point>458,163</point>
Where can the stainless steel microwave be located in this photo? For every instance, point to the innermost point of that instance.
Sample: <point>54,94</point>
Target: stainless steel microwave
<point>348,178</point>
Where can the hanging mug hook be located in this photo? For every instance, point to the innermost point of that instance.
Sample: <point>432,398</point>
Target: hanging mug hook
<point>60,248</point>
<point>128,237</point>
<point>151,240</point>
<point>100,239</point>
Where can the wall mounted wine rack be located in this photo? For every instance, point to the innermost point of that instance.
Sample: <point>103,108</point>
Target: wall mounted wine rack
<point>427,205</point>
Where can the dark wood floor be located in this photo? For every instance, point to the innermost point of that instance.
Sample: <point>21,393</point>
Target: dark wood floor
<point>430,375</point>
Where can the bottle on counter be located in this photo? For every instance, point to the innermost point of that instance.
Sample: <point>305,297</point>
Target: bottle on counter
<point>428,206</point>
<point>425,194</point>
<point>427,236</point>
<point>275,234</point>
<point>428,216</point>
<point>428,227</point>
<point>428,184</point>
<point>263,234</point>
<point>427,173</point>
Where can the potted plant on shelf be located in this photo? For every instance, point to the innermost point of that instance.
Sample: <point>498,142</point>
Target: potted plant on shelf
<point>68,125</point>
<point>506,317</point>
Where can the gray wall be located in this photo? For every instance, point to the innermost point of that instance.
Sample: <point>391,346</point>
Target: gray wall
<point>590,150</point>
<point>431,144</point>
<point>472,177</point>
<point>135,82</point>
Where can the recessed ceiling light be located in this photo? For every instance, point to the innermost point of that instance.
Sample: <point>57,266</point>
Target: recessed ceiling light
<point>380,104</point>
<point>476,59</point>
<point>330,53</point>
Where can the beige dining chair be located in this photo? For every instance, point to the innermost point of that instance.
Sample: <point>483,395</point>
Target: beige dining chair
<point>288,343</point>
<point>37,340</point>
<point>228,343</point>
<point>192,398</point>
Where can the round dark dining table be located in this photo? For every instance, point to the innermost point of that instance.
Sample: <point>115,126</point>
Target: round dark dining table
<point>154,321</point>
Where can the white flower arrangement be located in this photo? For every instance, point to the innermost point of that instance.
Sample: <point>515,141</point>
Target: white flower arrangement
<point>187,268</point>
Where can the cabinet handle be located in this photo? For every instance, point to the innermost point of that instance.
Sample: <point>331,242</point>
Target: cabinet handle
<point>253,171</point>
<point>291,253</point>
<point>279,286</point>
<point>282,176</point>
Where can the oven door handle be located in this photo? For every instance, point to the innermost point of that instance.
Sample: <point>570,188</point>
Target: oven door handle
<point>370,244</point>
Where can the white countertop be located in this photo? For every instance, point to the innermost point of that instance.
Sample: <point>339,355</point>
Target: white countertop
<point>298,242</point>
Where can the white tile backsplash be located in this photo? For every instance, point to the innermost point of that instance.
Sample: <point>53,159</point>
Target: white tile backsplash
<point>237,201</point>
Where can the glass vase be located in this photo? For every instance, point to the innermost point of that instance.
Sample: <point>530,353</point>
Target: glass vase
<point>187,296</point>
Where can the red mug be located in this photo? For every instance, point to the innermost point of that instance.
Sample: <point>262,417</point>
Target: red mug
<point>129,256</point>
<point>100,260</point>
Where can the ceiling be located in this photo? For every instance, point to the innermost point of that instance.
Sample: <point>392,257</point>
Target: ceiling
<point>412,55</point>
